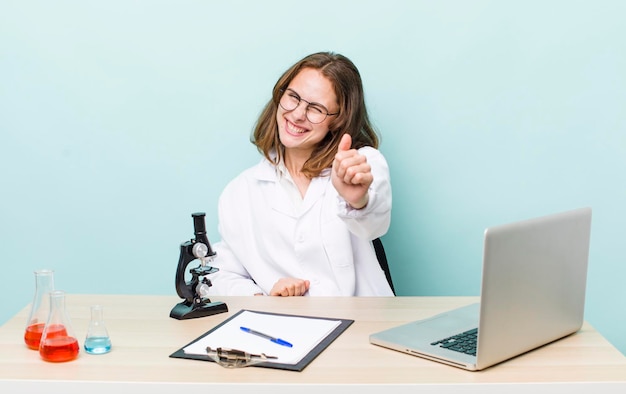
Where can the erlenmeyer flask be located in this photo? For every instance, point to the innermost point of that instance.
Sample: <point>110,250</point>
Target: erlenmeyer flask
<point>58,342</point>
<point>97,340</point>
<point>40,308</point>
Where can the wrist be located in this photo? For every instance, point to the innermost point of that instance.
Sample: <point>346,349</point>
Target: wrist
<point>362,203</point>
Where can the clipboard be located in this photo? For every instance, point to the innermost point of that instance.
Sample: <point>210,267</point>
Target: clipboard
<point>299,366</point>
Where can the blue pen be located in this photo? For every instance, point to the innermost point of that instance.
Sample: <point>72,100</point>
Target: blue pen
<point>271,338</point>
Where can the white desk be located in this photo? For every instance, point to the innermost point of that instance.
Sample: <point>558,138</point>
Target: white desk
<point>144,336</point>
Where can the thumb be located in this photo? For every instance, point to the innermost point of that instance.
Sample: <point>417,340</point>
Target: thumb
<point>345,143</point>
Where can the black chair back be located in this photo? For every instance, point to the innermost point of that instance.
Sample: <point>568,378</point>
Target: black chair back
<point>382,260</point>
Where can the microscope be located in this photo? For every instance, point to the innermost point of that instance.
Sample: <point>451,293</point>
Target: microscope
<point>195,292</point>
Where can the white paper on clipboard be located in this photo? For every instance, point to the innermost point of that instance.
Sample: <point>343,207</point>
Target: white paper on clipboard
<point>303,333</point>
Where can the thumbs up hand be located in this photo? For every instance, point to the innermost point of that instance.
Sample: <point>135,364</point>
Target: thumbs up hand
<point>351,174</point>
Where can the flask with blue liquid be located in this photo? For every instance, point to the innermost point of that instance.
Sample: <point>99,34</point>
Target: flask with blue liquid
<point>97,340</point>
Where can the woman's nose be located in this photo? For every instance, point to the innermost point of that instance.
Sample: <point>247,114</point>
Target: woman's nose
<point>300,111</point>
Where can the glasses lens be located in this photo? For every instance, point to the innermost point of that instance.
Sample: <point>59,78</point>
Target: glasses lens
<point>289,101</point>
<point>315,114</point>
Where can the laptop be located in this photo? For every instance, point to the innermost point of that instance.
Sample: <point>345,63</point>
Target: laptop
<point>533,293</point>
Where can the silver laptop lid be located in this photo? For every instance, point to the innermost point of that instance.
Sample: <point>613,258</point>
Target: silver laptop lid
<point>533,286</point>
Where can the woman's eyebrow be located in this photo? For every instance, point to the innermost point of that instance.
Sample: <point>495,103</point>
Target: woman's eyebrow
<point>310,102</point>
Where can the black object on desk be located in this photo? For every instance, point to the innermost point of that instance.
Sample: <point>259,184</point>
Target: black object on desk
<point>196,302</point>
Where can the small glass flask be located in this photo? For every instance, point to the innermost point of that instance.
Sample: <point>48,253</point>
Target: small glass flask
<point>58,342</point>
<point>97,340</point>
<point>40,308</point>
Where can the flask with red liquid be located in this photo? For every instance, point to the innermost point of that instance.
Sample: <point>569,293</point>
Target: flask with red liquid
<point>58,342</point>
<point>40,308</point>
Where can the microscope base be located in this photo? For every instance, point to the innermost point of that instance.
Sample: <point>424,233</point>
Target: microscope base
<point>183,311</point>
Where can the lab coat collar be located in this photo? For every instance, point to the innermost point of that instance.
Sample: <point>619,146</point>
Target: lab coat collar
<point>267,172</point>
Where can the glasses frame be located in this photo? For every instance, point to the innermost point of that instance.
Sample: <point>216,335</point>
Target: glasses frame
<point>300,99</point>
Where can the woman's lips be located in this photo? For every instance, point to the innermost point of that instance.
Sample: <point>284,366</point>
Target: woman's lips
<point>293,129</point>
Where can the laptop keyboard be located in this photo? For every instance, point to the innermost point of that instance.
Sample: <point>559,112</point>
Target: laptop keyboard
<point>464,342</point>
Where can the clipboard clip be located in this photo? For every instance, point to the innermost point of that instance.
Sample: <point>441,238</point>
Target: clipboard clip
<point>234,358</point>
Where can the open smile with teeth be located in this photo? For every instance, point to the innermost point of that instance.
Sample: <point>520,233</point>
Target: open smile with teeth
<point>292,128</point>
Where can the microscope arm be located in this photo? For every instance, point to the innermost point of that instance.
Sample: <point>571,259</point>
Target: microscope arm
<point>183,289</point>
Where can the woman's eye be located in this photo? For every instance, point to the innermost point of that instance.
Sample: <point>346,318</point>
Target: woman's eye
<point>316,109</point>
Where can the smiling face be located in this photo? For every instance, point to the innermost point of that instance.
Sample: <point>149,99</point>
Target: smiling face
<point>297,134</point>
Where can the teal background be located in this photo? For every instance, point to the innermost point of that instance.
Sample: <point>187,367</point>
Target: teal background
<point>119,119</point>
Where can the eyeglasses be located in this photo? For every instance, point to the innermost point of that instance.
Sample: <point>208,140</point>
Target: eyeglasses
<point>315,113</point>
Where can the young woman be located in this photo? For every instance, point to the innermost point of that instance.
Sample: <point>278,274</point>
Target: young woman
<point>302,221</point>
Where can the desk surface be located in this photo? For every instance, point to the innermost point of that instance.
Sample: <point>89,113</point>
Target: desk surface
<point>143,337</point>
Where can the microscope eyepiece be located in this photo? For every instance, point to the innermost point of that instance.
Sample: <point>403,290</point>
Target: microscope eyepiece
<point>198,223</point>
<point>200,231</point>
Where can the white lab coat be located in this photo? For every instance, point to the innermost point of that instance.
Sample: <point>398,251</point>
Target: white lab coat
<point>264,236</point>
